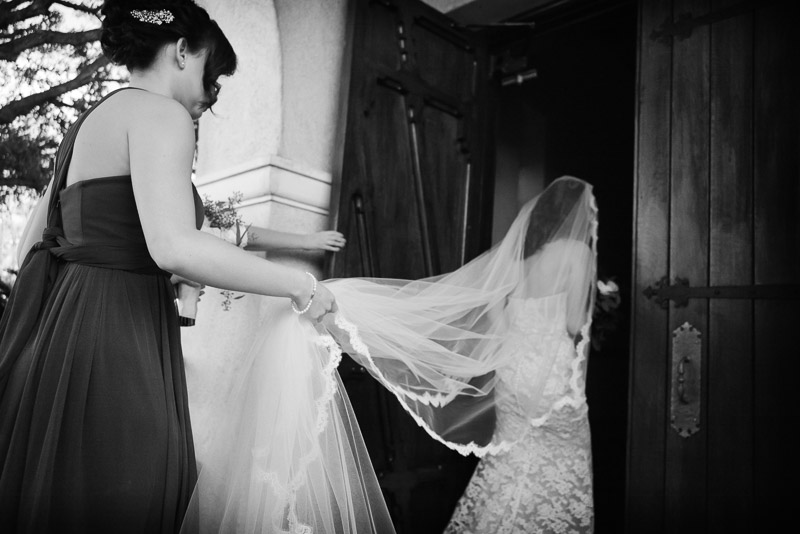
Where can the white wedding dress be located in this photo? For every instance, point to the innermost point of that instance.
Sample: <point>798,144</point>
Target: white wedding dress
<point>544,484</point>
<point>488,360</point>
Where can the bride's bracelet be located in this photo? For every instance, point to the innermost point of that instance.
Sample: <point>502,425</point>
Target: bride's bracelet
<point>311,299</point>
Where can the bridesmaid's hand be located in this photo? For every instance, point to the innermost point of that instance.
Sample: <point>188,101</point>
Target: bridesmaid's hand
<point>189,294</point>
<point>327,240</point>
<point>323,303</point>
<point>175,280</point>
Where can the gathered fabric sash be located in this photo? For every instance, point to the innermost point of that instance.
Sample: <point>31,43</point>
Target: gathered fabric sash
<point>110,256</point>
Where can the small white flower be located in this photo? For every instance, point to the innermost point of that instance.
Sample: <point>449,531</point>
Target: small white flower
<point>607,288</point>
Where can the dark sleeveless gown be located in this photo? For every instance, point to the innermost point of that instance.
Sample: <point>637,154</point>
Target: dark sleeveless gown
<point>94,419</point>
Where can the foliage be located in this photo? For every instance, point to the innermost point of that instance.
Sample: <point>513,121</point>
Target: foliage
<point>51,69</point>
<point>23,161</point>
<point>605,316</point>
<point>222,214</point>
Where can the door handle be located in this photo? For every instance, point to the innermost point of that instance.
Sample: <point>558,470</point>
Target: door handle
<point>686,390</point>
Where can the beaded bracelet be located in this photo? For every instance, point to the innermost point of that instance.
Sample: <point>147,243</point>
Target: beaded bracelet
<point>310,300</point>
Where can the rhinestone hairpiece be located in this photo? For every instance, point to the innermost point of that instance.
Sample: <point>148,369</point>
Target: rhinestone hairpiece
<point>162,16</point>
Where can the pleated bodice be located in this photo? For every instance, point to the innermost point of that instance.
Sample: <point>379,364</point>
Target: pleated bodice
<point>101,227</point>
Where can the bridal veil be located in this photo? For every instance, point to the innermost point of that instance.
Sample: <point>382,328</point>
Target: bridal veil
<point>287,454</point>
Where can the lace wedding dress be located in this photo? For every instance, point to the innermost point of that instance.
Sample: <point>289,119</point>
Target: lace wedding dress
<point>544,484</point>
<point>488,360</point>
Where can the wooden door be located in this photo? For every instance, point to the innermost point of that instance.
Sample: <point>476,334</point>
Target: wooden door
<point>718,205</point>
<point>414,202</point>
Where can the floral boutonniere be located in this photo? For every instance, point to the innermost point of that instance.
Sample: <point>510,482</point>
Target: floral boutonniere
<point>222,217</point>
<point>605,315</point>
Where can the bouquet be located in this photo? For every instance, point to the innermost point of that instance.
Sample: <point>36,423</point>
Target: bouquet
<point>605,315</point>
<point>222,216</point>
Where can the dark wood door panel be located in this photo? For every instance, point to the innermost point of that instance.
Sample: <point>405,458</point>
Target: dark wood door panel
<point>444,181</point>
<point>435,45</point>
<point>648,421</point>
<point>379,182</point>
<point>718,183</point>
<point>686,477</point>
<point>380,21</point>
<point>776,191</point>
<point>730,339</point>
<point>407,207</point>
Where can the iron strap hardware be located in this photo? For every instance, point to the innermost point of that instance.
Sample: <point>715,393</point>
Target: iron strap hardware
<point>680,292</point>
<point>683,27</point>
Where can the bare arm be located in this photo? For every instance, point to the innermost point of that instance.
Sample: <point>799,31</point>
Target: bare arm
<point>36,224</point>
<point>579,294</point>
<point>161,145</point>
<point>259,238</point>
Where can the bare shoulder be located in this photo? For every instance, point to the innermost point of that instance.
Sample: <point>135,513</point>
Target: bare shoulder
<point>161,139</point>
<point>573,247</point>
<point>146,109</point>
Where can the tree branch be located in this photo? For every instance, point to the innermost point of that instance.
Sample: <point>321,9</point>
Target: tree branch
<point>79,7</point>
<point>14,109</point>
<point>60,103</point>
<point>11,5</point>
<point>36,8</point>
<point>11,49</point>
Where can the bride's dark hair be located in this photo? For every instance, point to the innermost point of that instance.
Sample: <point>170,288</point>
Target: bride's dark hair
<point>128,41</point>
<point>553,210</point>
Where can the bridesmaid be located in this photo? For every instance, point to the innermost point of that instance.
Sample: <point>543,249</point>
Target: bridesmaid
<point>95,433</point>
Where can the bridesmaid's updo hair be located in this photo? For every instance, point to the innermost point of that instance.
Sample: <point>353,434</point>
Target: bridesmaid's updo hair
<point>134,31</point>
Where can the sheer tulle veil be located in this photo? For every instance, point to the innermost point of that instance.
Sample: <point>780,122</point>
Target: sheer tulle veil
<point>287,454</point>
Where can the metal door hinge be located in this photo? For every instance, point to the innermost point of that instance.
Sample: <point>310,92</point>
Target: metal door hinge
<point>680,292</point>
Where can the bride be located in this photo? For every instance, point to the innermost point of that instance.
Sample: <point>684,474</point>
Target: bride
<point>489,360</point>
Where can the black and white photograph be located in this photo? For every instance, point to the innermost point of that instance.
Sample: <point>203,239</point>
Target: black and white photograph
<point>398,266</point>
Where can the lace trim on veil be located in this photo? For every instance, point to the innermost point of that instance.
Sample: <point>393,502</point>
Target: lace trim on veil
<point>471,448</point>
<point>578,397</point>
<point>576,400</point>
<point>320,455</point>
<point>323,404</point>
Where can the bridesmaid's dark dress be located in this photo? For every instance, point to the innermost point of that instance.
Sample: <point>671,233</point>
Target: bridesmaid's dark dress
<point>94,419</point>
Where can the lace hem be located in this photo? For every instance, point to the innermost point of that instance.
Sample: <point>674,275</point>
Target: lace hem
<point>464,449</point>
<point>287,493</point>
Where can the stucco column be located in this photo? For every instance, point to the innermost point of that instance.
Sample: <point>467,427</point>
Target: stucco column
<point>275,137</point>
<point>314,61</point>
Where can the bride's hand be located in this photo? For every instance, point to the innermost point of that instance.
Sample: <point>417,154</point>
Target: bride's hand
<point>323,303</point>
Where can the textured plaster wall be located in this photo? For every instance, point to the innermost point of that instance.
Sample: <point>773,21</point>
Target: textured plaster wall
<point>313,43</point>
<point>275,137</point>
<point>246,122</point>
<point>276,133</point>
